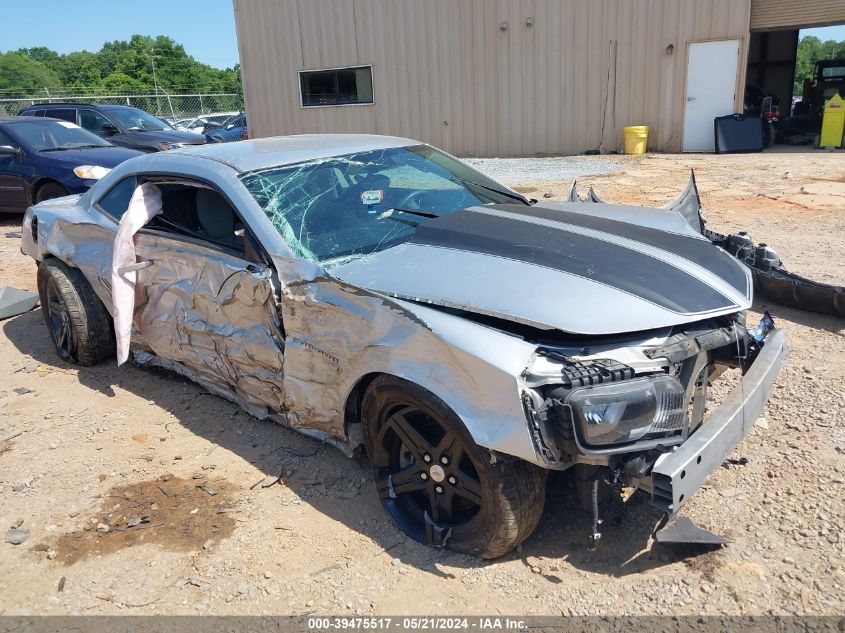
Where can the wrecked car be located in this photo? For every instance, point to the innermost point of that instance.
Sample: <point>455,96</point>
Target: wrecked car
<point>376,292</point>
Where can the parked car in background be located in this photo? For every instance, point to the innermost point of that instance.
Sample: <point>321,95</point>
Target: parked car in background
<point>198,124</point>
<point>44,158</point>
<point>122,125</point>
<point>232,129</point>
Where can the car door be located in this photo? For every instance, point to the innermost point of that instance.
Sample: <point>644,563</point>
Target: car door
<point>95,122</point>
<point>13,185</point>
<point>206,299</point>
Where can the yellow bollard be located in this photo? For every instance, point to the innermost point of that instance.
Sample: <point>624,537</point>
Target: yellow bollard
<point>833,122</point>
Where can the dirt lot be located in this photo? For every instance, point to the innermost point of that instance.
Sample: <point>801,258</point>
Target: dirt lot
<point>96,450</point>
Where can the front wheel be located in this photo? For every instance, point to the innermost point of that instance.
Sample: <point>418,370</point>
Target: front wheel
<point>50,190</point>
<point>437,484</point>
<point>76,318</point>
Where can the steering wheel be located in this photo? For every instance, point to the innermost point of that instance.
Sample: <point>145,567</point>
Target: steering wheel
<point>417,200</point>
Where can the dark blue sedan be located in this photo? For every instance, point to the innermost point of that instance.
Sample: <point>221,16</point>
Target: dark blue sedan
<point>43,158</point>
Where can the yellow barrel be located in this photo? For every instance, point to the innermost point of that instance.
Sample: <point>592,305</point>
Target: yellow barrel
<point>636,139</point>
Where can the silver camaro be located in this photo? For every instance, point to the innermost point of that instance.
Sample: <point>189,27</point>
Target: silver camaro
<point>374,291</point>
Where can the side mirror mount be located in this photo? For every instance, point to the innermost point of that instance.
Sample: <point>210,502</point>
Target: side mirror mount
<point>8,150</point>
<point>110,129</point>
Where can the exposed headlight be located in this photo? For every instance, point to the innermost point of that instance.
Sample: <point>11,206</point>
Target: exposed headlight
<point>628,411</point>
<point>91,172</point>
<point>167,146</point>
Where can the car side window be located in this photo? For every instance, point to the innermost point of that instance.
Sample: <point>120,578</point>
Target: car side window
<point>116,201</point>
<point>203,214</point>
<point>65,114</point>
<point>92,120</point>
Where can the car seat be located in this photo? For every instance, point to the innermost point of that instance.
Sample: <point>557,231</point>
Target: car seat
<point>216,218</point>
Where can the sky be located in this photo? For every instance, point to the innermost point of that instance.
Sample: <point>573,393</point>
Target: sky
<point>826,33</point>
<point>206,28</point>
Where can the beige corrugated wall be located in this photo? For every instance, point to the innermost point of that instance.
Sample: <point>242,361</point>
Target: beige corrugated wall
<point>445,73</point>
<point>770,15</point>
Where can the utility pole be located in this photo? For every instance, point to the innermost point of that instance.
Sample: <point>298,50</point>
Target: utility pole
<point>155,82</point>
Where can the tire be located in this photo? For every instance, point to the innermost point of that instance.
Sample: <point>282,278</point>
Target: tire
<point>436,483</point>
<point>48,191</point>
<point>79,325</point>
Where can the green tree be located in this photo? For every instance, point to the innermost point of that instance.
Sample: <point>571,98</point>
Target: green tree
<point>125,66</point>
<point>21,76</point>
<point>811,50</point>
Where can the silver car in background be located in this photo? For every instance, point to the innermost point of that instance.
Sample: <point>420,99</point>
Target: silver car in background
<point>374,291</point>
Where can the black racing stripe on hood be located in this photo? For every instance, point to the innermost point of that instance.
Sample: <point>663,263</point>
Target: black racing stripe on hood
<point>700,252</point>
<point>630,271</point>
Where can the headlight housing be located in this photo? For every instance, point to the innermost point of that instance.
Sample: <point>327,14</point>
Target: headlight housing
<point>91,172</point>
<point>167,146</point>
<point>627,411</point>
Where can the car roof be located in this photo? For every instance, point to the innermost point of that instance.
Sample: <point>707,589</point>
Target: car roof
<point>276,151</point>
<point>24,118</point>
<point>40,106</point>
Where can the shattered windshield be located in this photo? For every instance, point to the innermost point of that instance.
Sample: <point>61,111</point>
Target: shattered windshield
<point>357,204</point>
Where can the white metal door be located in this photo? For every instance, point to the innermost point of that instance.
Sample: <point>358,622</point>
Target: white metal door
<point>711,87</point>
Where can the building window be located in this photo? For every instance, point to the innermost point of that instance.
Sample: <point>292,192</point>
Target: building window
<point>338,86</point>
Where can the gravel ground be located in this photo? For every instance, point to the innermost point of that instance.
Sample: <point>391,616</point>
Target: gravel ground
<point>94,448</point>
<point>529,171</point>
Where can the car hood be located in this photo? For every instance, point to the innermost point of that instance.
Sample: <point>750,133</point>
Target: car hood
<point>165,136</point>
<point>555,268</point>
<point>108,156</point>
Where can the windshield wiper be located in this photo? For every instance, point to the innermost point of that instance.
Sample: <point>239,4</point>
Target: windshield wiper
<point>389,214</point>
<point>421,212</point>
<point>86,145</point>
<point>64,148</point>
<point>508,194</point>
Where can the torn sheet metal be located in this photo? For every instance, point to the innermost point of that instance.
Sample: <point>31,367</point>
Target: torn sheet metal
<point>337,334</point>
<point>14,301</point>
<point>144,205</point>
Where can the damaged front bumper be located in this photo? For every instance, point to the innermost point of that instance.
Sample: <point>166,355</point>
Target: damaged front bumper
<point>678,474</point>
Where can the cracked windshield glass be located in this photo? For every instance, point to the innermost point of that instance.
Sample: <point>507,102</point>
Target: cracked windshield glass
<point>338,208</point>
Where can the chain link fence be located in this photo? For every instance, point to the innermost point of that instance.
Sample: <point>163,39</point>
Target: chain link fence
<point>170,106</point>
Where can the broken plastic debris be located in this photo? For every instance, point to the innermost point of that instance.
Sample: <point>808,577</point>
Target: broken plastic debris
<point>14,301</point>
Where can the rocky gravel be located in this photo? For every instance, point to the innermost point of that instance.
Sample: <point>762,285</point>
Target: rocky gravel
<point>294,527</point>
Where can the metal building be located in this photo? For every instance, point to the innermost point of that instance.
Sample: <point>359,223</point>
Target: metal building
<point>512,77</point>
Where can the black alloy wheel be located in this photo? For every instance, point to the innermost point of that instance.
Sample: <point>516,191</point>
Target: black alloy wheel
<point>426,480</point>
<point>436,483</point>
<point>59,322</point>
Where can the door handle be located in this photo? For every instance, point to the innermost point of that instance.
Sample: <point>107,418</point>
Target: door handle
<point>690,98</point>
<point>130,268</point>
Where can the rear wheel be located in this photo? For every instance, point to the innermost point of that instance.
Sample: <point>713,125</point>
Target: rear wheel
<point>50,190</point>
<point>440,487</point>
<point>77,320</point>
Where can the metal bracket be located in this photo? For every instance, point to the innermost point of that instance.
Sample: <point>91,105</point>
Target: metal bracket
<point>678,530</point>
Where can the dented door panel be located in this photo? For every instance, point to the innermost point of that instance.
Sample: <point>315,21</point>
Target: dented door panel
<point>216,315</point>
